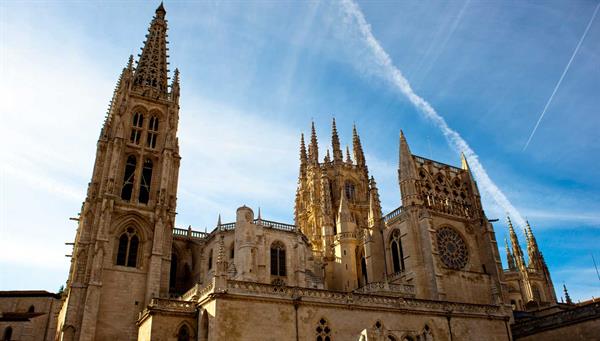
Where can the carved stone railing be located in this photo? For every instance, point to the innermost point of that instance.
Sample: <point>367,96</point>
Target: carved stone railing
<point>391,217</point>
<point>189,233</point>
<point>172,305</point>
<point>437,164</point>
<point>322,296</point>
<point>386,288</point>
<point>560,319</point>
<point>275,225</point>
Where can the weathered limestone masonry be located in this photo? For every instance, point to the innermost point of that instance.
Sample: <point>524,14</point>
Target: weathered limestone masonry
<point>428,270</point>
<point>28,315</point>
<point>121,256</point>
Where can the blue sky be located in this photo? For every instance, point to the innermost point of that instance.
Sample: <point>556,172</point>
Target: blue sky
<point>254,74</point>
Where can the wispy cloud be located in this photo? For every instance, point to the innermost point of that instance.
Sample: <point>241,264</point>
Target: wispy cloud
<point>381,64</point>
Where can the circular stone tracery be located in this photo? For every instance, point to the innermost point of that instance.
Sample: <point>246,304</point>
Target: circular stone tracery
<point>452,248</point>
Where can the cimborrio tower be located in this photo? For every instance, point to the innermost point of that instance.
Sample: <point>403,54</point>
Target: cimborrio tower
<point>121,255</point>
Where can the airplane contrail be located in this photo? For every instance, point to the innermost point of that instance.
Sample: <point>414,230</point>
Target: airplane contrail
<point>382,65</point>
<point>561,77</point>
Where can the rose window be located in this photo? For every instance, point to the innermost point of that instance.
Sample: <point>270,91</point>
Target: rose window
<point>452,248</point>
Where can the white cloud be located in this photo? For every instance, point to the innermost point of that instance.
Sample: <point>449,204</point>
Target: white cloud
<point>379,63</point>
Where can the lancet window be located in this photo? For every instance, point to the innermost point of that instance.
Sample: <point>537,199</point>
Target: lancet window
<point>278,259</point>
<point>152,132</point>
<point>210,259</point>
<point>128,178</point>
<point>145,182</point>
<point>397,253</point>
<point>136,128</point>
<point>183,334</point>
<point>127,252</point>
<point>350,190</point>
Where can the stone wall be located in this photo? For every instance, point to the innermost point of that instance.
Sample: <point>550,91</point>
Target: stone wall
<point>32,315</point>
<point>576,323</point>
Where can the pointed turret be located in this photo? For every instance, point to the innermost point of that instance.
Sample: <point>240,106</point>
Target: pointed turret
<point>219,221</point>
<point>465,166</point>
<point>175,87</point>
<point>516,247</point>
<point>536,260</point>
<point>359,156</point>
<point>151,71</point>
<point>327,158</point>
<point>303,157</point>
<point>335,144</point>
<point>313,148</point>
<point>344,215</point>
<point>374,204</point>
<point>510,259</point>
<point>567,296</point>
<point>348,158</point>
<point>407,174</point>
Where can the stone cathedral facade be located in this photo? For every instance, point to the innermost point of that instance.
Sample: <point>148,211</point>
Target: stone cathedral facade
<point>429,270</point>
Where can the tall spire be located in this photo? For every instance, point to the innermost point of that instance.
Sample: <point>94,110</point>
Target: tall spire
<point>313,147</point>
<point>303,157</point>
<point>335,144</point>
<point>359,156</point>
<point>151,71</point>
<point>407,174</point>
<point>535,258</point>
<point>374,203</point>
<point>518,252</point>
<point>509,257</point>
<point>465,166</point>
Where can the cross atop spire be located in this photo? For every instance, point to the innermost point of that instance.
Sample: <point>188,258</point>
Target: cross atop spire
<point>151,71</point>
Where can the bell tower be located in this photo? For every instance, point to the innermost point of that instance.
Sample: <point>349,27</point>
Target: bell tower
<point>122,249</point>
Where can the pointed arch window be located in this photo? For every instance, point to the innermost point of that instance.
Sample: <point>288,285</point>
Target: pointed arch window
<point>136,128</point>
<point>146,181</point>
<point>397,253</point>
<point>127,252</point>
<point>278,259</point>
<point>350,190</point>
<point>31,309</point>
<point>363,267</point>
<point>183,334</point>
<point>210,259</point>
<point>128,178</point>
<point>152,132</point>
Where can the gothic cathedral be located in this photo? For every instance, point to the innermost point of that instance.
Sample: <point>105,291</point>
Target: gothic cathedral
<point>428,270</point>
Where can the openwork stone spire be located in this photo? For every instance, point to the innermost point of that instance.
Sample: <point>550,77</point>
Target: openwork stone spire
<point>151,71</point>
<point>509,257</point>
<point>313,148</point>
<point>359,156</point>
<point>517,251</point>
<point>335,144</point>
<point>303,157</point>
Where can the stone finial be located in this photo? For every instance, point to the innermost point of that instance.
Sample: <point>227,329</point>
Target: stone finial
<point>348,158</point>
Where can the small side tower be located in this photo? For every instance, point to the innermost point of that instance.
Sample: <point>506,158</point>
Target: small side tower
<point>121,255</point>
